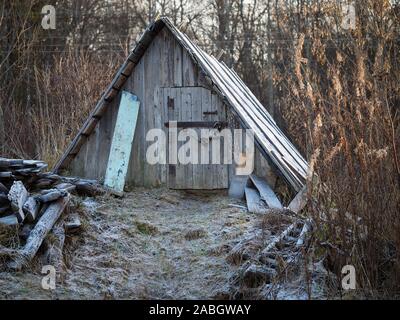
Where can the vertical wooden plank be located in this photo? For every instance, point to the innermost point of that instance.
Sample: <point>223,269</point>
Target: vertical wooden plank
<point>91,162</point>
<point>206,106</point>
<point>136,167</point>
<point>215,168</point>
<point>122,142</point>
<point>172,100</point>
<point>97,142</point>
<point>178,52</point>
<point>169,58</point>
<point>196,115</point>
<point>184,174</point>
<point>233,124</point>
<point>164,119</point>
<point>151,67</point>
<point>94,152</point>
<point>158,115</point>
<point>104,151</point>
<point>163,50</point>
<point>77,166</point>
<point>222,170</point>
<point>190,72</point>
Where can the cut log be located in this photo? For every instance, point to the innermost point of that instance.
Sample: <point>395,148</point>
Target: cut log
<point>5,163</point>
<point>254,202</point>
<point>52,196</point>
<point>89,189</point>
<point>39,233</point>
<point>18,196</point>
<point>10,220</point>
<point>266,193</point>
<point>43,183</point>
<point>31,209</point>
<point>66,186</point>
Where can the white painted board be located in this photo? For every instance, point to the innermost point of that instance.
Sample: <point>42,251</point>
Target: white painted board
<point>121,144</point>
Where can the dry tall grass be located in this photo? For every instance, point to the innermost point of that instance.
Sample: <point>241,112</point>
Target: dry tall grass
<point>65,93</point>
<point>68,91</point>
<point>341,107</point>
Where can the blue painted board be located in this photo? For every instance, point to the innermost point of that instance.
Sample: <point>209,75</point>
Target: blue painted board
<point>121,144</point>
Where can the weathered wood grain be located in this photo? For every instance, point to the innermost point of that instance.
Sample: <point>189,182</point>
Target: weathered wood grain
<point>18,195</point>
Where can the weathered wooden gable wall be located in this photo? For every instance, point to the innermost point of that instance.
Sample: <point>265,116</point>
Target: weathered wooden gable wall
<point>165,64</point>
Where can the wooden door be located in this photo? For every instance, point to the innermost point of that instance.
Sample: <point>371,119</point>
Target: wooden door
<point>195,108</point>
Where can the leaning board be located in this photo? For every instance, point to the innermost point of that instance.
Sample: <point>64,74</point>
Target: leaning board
<point>121,144</point>
<point>266,193</point>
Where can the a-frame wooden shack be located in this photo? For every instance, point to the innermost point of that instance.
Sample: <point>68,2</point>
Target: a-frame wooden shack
<point>174,79</point>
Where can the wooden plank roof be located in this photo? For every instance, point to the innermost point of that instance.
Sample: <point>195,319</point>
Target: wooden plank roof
<point>270,139</point>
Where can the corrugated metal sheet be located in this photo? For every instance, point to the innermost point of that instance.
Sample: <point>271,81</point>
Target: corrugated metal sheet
<point>281,152</point>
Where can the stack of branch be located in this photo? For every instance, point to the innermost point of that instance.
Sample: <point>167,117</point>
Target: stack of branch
<point>33,201</point>
<point>261,262</point>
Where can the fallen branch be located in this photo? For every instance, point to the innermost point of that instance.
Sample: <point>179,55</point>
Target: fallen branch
<point>280,238</point>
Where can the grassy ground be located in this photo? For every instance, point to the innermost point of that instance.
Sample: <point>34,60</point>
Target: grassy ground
<point>156,243</point>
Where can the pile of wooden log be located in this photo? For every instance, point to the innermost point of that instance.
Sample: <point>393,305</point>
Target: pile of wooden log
<point>33,201</point>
